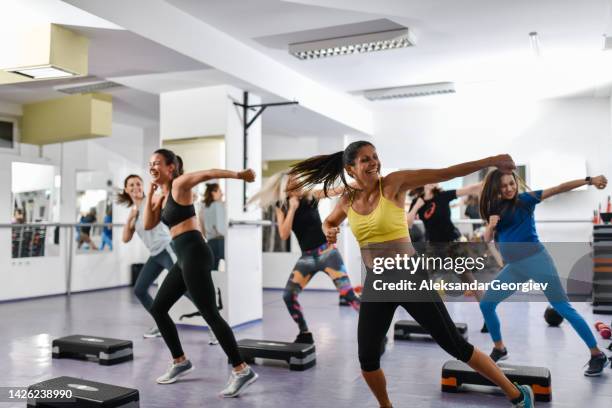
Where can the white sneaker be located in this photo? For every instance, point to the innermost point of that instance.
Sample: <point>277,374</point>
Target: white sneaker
<point>238,382</point>
<point>212,340</point>
<point>152,332</point>
<point>175,371</point>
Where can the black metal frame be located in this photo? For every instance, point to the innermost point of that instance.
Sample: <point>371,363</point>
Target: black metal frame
<point>246,124</point>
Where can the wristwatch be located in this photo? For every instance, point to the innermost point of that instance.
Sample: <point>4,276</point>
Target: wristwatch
<point>588,180</point>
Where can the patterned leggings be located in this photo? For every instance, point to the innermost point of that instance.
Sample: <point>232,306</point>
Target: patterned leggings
<point>326,258</point>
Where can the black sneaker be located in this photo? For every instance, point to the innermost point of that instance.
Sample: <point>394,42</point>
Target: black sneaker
<point>596,365</point>
<point>484,329</point>
<point>304,338</point>
<point>497,355</point>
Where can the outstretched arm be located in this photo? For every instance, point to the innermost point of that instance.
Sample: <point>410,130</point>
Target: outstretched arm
<point>285,222</point>
<point>404,180</point>
<point>189,180</point>
<point>472,189</point>
<point>599,182</point>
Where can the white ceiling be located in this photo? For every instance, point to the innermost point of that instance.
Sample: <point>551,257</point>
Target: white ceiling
<point>482,45</point>
<point>469,42</point>
<point>113,52</point>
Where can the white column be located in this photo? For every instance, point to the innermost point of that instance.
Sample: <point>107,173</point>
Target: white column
<point>211,111</point>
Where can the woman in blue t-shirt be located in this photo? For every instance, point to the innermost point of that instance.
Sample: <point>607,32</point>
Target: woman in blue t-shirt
<point>511,223</point>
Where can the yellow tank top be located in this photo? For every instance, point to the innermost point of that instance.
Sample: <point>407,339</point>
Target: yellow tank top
<point>386,223</point>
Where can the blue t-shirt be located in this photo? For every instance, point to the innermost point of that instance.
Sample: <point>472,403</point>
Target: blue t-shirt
<point>516,231</point>
<point>106,230</point>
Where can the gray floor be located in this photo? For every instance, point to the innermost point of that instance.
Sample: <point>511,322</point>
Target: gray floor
<point>413,368</point>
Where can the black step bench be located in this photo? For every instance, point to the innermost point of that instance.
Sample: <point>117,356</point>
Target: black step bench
<point>404,328</point>
<point>456,373</point>
<point>299,356</point>
<point>105,350</point>
<point>80,393</point>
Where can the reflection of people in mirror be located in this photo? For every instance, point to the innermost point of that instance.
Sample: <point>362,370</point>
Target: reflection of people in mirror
<point>212,221</point>
<point>107,230</point>
<point>85,231</point>
<point>18,216</point>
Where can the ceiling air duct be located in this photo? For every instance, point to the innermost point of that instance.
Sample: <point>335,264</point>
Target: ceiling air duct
<point>46,51</point>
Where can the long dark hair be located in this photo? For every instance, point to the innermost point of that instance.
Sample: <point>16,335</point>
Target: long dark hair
<point>327,169</point>
<point>210,189</point>
<point>420,192</point>
<point>491,202</point>
<point>171,158</point>
<point>123,198</point>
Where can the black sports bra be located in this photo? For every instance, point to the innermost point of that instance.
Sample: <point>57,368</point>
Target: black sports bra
<point>174,213</point>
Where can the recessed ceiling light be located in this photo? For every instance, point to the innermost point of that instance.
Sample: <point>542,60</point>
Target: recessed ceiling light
<point>410,91</point>
<point>42,72</point>
<point>378,41</point>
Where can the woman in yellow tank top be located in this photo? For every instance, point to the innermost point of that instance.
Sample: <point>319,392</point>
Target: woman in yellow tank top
<point>375,211</point>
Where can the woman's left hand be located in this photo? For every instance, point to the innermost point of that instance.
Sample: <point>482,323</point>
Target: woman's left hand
<point>600,182</point>
<point>247,175</point>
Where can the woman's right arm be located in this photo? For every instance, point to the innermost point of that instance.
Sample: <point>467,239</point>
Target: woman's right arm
<point>285,222</point>
<point>412,214</point>
<point>130,225</point>
<point>489,233</point>
<point>152,209</point>
<point>331,225</point>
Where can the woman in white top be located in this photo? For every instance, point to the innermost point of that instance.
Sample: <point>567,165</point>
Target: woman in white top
<point>212,220</point>
<point>157,241</point>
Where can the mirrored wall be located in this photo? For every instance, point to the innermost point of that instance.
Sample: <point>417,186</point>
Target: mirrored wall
<point>35,192</point>
<point>94,206</point>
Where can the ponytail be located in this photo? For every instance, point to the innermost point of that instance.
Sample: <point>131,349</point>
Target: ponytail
<point>327,169</point>
<point>272,192</point>
<point>179,165</point>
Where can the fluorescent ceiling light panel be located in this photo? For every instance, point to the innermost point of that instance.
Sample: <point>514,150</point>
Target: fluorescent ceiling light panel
<point>43,72</point>
<point>411,91</point>
<point>379,41</point>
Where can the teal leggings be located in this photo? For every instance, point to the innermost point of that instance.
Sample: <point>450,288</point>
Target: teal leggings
<point>541,269</point>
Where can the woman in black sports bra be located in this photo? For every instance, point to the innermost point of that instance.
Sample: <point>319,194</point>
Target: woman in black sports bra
<point>192,271</point>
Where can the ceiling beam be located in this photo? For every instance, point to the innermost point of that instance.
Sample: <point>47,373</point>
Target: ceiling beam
<point>182,32</point>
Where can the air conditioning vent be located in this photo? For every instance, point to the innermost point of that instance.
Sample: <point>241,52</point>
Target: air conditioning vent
<point>89,87</point>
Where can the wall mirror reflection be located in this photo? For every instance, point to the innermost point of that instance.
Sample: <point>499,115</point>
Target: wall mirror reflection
<point>34,200</point>
<point>94,206</point>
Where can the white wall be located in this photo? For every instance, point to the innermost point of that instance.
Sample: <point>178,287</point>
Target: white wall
<point>31,177</point>
<point>193,113</point>
<point>210,111</point>
<point>277,146</point>
<point>278,265</point>
<point>446,135</point>
<point>117,156</point>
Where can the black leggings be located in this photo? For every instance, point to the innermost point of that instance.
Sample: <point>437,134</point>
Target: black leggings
<point>375,318</point>
<point>192,272</point>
